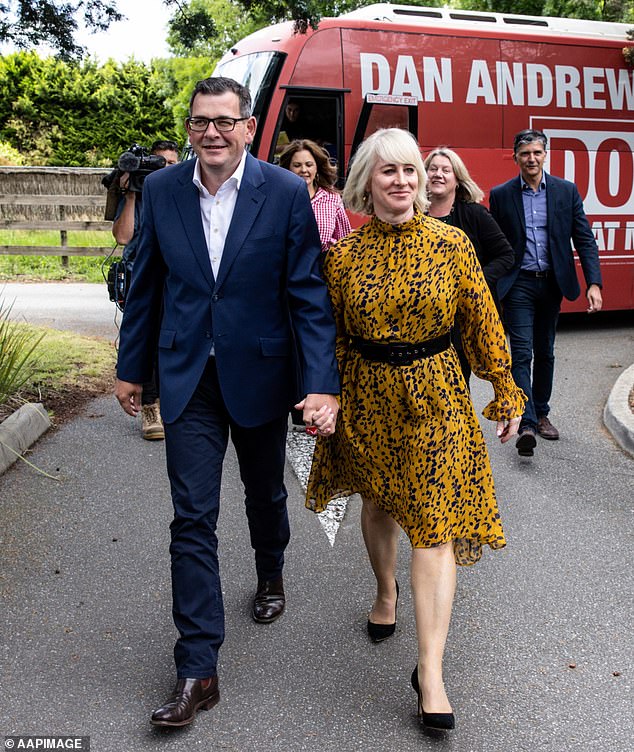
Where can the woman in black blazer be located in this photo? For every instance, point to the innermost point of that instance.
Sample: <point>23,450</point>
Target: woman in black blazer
<point>455,199</point>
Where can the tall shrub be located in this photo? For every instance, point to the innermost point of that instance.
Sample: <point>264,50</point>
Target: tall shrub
<point>79,114</point>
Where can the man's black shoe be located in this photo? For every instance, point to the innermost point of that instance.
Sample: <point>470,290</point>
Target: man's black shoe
<point>526,442</point>
<point>269,601</point>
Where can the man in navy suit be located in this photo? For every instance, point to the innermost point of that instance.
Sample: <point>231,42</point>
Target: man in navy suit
<point>540,215</point>
<point>226,282</point>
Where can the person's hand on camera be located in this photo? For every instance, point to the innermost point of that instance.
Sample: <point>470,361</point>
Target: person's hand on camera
<point>124,181</point>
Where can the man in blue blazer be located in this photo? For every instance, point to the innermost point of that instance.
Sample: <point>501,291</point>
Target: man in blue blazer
<point>226,285</point>
<point>540,215</point>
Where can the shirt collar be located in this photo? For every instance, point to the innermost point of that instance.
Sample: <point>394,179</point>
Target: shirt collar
<point>542,183</point>
<point>236,177</point>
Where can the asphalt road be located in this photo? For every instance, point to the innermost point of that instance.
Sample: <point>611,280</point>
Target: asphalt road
<point>540,651</point>
<point>83,308</point>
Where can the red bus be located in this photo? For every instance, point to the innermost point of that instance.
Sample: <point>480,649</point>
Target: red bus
<point>469,81</point>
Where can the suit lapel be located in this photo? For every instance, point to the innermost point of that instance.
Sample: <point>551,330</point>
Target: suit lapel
<point>188,204</point>
<point>248,205</point>
<point>519,205</point>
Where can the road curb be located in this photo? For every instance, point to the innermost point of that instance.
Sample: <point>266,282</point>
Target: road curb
<point>617,416</point>
<point>21,429</point>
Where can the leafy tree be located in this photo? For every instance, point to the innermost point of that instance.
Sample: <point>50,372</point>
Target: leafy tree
<point>605,10</point>
<point>305,13</point>
<point>208,28</point>
<point>176,78</point>
<point>27,23</point>
<point>59,113</point>
<point>308,12</point>
<point>601,10</point>
<point>519,7</point>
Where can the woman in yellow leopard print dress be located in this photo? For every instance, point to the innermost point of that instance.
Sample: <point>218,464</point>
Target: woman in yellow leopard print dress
<point>407,437</point>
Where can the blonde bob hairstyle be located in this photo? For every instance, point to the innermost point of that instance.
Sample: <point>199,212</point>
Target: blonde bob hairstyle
<point>392,145</point>
<point>467,189</point>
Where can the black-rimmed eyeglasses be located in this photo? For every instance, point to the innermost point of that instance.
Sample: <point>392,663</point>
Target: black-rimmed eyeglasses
<point>222,124</point>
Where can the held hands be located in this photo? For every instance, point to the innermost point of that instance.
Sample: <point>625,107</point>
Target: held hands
<point>320,413</point>
<point>129,396</point>
<point>507,429</point>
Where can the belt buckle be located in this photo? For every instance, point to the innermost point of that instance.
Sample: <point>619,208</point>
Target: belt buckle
<point>401,356</point>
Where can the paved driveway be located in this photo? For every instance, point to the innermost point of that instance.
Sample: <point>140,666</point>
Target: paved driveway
<point>540,650</point>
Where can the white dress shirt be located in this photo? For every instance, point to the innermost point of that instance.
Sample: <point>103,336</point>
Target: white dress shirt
<point>217,211</point>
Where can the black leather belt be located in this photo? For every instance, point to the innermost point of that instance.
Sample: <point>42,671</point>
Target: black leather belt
<point>538,275</point>
<point>399,353</point>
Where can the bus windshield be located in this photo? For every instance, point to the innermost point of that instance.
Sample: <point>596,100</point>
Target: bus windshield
<point>257,72</point>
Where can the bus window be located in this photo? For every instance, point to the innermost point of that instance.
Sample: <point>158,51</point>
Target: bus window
<point>376,115</point>
<point>387,116</point>
<point>257,71</point>
<point>313,117</point>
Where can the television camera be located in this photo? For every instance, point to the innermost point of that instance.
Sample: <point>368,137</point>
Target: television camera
<point>138,162</point>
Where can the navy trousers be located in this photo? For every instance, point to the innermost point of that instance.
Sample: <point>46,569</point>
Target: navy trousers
<point>196,444</point>
<point>531,311</point>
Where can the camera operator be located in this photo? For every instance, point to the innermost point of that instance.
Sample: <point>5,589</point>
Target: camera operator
<point>125,229</point>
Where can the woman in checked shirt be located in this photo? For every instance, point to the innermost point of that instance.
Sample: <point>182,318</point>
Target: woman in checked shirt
<point>312,163</point>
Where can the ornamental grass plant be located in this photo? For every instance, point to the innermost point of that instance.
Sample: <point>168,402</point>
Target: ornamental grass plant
<point>17,345</point>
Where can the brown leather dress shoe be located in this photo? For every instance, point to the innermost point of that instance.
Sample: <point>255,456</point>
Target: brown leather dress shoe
<point>546,429</point>
<point>269,601</point>
<point>189,696</point>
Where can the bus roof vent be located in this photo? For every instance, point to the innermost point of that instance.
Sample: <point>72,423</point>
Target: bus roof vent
<point>445,18</point>
<point>525,21</point>
<point>425,12</point>
<point>472,17</point>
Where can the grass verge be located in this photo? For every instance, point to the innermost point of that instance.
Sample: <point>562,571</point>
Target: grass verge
<point>50,268</point>
<point>67,370</point>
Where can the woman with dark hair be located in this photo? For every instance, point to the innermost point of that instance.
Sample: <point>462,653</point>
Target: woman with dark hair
<point>312,163</point>
<point>454,198</point>
<point>407,437</point>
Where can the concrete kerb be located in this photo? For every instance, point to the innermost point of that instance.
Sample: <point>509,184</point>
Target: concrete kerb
<point>20,430</point>
<point>617,415</point>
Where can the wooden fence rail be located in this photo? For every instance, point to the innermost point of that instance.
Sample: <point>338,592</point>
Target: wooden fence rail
<point>53,198</point>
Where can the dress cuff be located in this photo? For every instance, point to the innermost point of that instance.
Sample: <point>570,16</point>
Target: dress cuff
<point>509,400</point>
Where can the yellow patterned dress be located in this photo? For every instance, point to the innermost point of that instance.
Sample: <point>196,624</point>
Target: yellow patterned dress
<point>408,437</point>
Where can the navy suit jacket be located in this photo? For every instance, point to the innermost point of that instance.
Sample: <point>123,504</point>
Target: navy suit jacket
<point>566,221</point>
<point>267,313</point>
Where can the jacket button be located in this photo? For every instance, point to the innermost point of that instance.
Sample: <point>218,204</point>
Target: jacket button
<point>208,335</point>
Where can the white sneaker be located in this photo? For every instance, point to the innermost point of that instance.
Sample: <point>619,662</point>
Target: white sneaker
<point>152,424</point>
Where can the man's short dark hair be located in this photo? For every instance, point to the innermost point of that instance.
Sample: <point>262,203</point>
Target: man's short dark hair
<point>216,85</point>
<point>162,145</point>
<point>528,137</point>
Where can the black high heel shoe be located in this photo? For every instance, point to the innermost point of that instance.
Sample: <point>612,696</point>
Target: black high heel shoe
<point>431,721</point>
<point>380,632</point>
